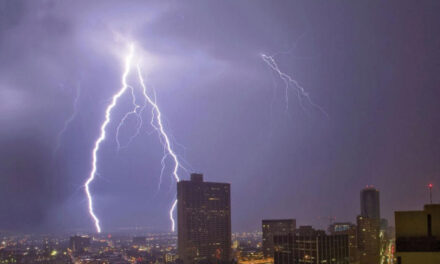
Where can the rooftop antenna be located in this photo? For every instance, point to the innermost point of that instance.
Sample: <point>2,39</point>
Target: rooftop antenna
<point>430,185</point>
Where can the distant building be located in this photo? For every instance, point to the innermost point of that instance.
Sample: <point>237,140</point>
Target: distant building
<point>140,240</point>
<point>307,245</point>
<point>350,230</point>
<point>368,230</point>
<point>204,221</point>
<point>370,203</point>
<point>275,227</point>
<point>418,235</point>
<point>79,244</point>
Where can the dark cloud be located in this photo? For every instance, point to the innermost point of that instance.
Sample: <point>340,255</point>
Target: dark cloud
<point>373,66</point>
<point>27,187</point>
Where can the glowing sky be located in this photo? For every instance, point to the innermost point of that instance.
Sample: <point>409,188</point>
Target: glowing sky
<point>372,66</point>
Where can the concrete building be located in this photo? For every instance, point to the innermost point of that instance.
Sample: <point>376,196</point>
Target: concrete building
<point>368,230</point>
<point>418,235</point>
<point>204,221</point>
<point>368,226</point>
<point>350,230</point>
<point>307,245</point>
<point>79,244</point>
<point>275,227</point>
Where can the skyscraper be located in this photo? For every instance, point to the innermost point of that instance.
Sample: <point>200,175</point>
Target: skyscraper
<point>204,221</point>
<point>368,225</point>
<point>275,227</point>
<point>370,205</point>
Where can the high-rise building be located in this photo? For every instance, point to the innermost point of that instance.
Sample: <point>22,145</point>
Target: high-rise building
<point>370,203</point>
<point>204,221</point>
<point>368,230</point>
<point>368,226</point>
<point>350,230</point>
<point>307,245</point>
<point>79,244</point>
<point>418,236</point>
<point>275,227</point>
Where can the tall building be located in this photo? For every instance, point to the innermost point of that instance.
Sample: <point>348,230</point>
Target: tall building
<point>368,230</point>
<point>204,221</point>
<point>275,227</point>
<point>350,230</point>
<point>418,235</point>
<point>368,226</point>
<point>79,244</point>
<point>370,203</point>
<point>307,245</point>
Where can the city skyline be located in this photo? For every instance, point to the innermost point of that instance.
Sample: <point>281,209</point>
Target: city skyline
<point>366,117</point>
<point>204,237</point>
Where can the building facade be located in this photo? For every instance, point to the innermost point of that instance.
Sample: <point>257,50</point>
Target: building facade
<point>79,244</point>
<point>368,230</point>
<point>307,245</point>
<point>275,227</point>
<point>204,221</point>
<point>351,231</point>
<point>418,236</point>
<point>368,226</point>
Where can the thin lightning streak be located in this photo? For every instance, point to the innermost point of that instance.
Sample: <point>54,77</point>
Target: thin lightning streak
<point>133,112</point>
<point>153,117</point>
<point>290,82</point>
<point>102,136</point>
<point>162,163</point>
<point>69,120</point>
<point>164,136</point>
<point>139,124</point>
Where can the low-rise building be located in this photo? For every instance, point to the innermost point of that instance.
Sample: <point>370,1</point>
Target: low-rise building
<point>418,235</point>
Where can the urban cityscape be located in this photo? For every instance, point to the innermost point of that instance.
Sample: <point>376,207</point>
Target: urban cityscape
<point>219,132</point>
<point>204,236</point>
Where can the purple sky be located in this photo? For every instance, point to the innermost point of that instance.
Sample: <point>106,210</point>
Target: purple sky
<point>373,66</point>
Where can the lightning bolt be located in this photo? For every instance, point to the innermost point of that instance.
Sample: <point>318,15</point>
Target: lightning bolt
<point>102,136</point>
<point>156,122</point>
<point>164,138</point>
<point>291,83</point>
<point>68,120</point>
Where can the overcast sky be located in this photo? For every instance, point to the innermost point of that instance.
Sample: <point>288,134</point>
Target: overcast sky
<point>373,66</point>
